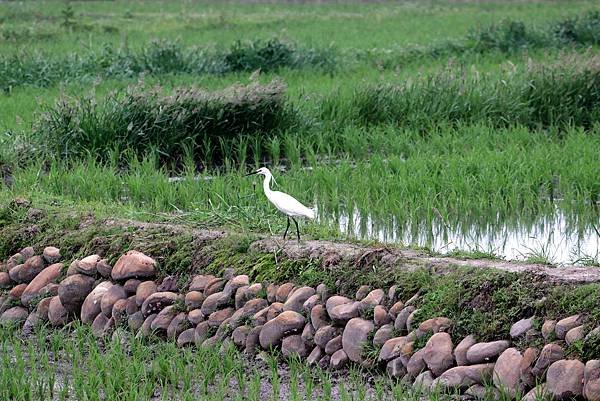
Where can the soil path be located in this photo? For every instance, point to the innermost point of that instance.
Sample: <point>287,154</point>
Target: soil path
<point>332,253</point>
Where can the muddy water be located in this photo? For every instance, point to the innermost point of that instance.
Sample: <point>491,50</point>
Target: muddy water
<point>555,238</point>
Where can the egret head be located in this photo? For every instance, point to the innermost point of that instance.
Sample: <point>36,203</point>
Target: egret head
<point>261,171</point>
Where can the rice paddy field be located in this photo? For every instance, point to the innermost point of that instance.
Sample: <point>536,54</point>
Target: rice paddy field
<point>457,127</point>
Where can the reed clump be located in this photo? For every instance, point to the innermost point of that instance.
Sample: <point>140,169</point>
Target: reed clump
<point>147,120</point>
<point>566,93</point>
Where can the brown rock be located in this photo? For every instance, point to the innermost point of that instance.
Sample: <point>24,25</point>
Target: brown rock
<point>308,333</point>
<point>31,323</point>
<point>240,335</point>
<point>157,301</point>
<point>362,292</point>
<point>199,282</point>
<point>479,392</point>
<point>178,325</point>
<point>111,296</point>
<point>338,360</point>
<point>463,377</point>
<point>575,334</point>
<point>195,316</point>
<point>73,290</point>
<point>323,292</point>
<point>88,265</point>
<point>383,334</point>
<point>43,307</point>
<point>564,379</point>
<point>548,329</point>
<point>335,301</point>
<point>236,282</point>
<point>310,303</point>
<point>14,316</point>
<point>374,297</point>
<point>131,307</point>
<point>202,333</point>
<point>434,325</point>
<point>438,353</point>
<point>135,321</point>
<point>566,324</point>
<point>215,319</point>
<point>92,305</point>
<point>119,313</point>
<point>293,345</point>
<point>324,362</point>
<point>17,291</point>
<point>241,296</point>
<point>591,389</point>
<point>283,292</point>
<point>104,268</point>
<point>333,345</point>
<point>143,291</point>
<point>51,254</point>
<point>536,393</point>
<point>5,280</point>
<point>27,252</point>
<point>46,276</point>
<point>424,381</point>
<point>400,322</point>
<point>521,327</point>
<point>194,300</point>
<point>131,286</point>
<point>505,376</point>
<point>355,336</point>
<point>315,356</point>
<point>99,324</point>
<point>186,338</point>
<point>416,364</point>
<point>325,334</point>
<point>252,341</point>
<point>396,309</point>
<point>274,310</point>
<point>380,316</point>
<point>550,354</point>
<point>296,300</point>
<point>146,329</point>
<point>485,352</point>
<point>273,331</point>
<point>529,357</point>
<point>72,270</point>
<point>392,348</point>
<point>396,369</point>
<point>214,302</point>
<point>57,314</point>
<point>319,317</point>
<point>343,313</point>
<point>31,268</point>
<point>272,292</point>
<point>167,284</point>
<point>134,264</point>
<point>460,353</point>
<point>164,318</point>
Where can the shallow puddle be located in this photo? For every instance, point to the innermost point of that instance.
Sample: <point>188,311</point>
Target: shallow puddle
<point>555,238</point>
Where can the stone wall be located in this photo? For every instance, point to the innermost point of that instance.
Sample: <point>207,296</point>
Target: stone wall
<point>375,329</point>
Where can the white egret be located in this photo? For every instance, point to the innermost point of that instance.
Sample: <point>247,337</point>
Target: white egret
<point>285,203</point>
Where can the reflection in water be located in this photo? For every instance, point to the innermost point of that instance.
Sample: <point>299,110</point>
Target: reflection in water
<point>556,238</point>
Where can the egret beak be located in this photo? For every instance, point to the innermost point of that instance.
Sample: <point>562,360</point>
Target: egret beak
<point>246,175</point>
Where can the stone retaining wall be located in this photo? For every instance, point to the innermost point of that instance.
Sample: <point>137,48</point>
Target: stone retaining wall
<point>375,329</point>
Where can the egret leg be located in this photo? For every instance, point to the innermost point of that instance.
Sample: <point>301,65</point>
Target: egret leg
<point>297,229</point>
<point>286,229</point>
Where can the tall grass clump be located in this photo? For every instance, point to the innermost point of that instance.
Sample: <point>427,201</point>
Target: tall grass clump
<point>565,93</point>
<point>160,57</point>
<point>582,29</point>
<point>147,120</point>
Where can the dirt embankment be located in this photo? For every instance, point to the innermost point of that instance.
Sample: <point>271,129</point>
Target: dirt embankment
<point>332,254</point>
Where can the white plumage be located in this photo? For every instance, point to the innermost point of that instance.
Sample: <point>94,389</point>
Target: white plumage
<point>285,203</point>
